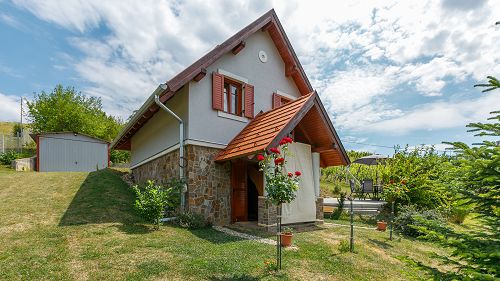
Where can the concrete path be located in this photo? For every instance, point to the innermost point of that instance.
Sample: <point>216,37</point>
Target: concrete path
<point>248,236</point>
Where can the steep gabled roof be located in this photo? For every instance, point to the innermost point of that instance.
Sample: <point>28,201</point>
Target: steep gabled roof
<point>268,22</point>
<point>305,115</point>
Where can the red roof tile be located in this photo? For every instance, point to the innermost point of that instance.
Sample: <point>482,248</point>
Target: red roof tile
<point>265,128</point>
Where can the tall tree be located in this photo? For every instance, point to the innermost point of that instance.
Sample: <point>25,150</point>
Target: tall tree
<point>65,109</point>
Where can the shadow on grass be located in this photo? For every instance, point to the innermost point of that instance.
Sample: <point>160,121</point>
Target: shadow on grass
<point>235,277</point>
<point>436,273</point>
<point>213,236</point>
<point>104,198</point>
<point>381,244</point>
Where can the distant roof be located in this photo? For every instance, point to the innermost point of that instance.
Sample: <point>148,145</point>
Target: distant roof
<point>33,136</point>
<point>306,115</point>
<point>268,22</point>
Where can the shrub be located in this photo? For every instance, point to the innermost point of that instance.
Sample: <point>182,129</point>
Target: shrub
<point>6,158</point>
<point>340,209</point>
<point>119,156</point>
<point>154,200</point>
<point>344,246</point>
<point>410,219</point>
<point>191,220</point>
<point>457,214</point>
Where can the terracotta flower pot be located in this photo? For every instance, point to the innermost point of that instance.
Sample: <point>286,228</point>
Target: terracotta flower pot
<point>381,225</point>
<point>286,239</point>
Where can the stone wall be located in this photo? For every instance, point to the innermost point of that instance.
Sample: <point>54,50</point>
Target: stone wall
<point>24,164</point>
<point>319,210</point>
<point>208,183</point>
<point>267,214</point>
<point>161,169</point>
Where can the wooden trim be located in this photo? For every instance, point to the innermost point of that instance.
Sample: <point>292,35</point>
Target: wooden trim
<point>200,75</point>
<point>238,48</point>
<point>323,149</point>
<point>38,153</point>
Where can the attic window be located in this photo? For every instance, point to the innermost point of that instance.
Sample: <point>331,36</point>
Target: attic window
<point>279,100</point>
<point>231,96</point>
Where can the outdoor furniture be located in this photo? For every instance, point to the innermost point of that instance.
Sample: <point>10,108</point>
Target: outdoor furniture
<point>355,191</point>
<point>367,188</point>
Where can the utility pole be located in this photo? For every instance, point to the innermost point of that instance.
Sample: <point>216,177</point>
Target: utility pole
<point>22,136</point>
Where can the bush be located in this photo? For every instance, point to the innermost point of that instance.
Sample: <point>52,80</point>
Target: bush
<point>7,157</point>
<point>119,156</point>
<point>457,214</point>
<point>410,219</point>
<point>191,220</point>
<point>153,201</point>
<point>344,246</point>
<point>340,209</point>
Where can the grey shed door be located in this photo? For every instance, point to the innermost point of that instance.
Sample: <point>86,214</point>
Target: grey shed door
<point>72,154</point>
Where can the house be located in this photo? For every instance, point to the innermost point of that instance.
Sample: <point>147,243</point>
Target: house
<point>238,100</point>
<point>70,152</point>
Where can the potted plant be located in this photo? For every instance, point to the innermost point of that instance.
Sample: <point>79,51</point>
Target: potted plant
<point>286,237</point>
<point>381,225</point>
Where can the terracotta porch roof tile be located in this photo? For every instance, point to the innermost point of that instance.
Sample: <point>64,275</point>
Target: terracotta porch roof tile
<point>260,133</point>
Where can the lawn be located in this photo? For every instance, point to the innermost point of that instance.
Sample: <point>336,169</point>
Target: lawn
<point>79,226</point>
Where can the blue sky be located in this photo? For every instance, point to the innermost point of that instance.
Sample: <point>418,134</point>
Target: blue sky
<point>389,72</point>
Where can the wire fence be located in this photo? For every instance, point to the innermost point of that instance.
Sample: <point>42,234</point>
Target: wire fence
<point>15,143</point>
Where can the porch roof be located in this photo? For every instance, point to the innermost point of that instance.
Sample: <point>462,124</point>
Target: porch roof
<point>306,115</point>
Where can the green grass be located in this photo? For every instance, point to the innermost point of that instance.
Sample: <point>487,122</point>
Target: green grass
<point>67,226</point>
<point>328,189</point>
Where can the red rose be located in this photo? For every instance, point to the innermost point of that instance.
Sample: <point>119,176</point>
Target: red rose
<point>278,161</point>
<point>290,174</point>
<point>297,173</point>
<point>282,142</point>
<point>275,150</point>
<point>288,139</point>
<point>260,157</point>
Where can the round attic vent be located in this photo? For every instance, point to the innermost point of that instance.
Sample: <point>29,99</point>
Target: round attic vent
<point>262,56</point>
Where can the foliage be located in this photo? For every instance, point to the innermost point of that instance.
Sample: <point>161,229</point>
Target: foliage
<point>7,157</point>
<point>16,130</point>
<point>119,156</point>
<point>191,220</point>
<point>415,177</point>
<point>340,208</point>
<point>65,109</point>
<point>280,186</point>
<point>410,218</point>
<point>492,84</point>
<point>476,175</point>
<point>153,200</point>
<point>344,246</point>
<point>270,267</point>
<point>287,230</point>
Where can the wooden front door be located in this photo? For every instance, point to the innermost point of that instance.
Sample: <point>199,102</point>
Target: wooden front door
<point>239,201</point>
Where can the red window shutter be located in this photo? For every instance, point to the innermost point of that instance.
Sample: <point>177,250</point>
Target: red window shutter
<point>249,101</point>
<point>217,91</point>
<point>276,100</point>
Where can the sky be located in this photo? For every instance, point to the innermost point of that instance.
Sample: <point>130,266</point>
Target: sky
<point>388,72</point>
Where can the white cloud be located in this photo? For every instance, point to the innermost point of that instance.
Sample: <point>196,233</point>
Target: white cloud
<point>439,115</point>
<point>356,53</point>
<point>9,108</point>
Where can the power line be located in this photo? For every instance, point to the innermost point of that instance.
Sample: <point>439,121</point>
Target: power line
<point>385,146</point>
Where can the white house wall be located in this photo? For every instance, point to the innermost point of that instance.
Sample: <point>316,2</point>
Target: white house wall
<point>70,153</point>
<point>269,77</point>
<point>161,132</point>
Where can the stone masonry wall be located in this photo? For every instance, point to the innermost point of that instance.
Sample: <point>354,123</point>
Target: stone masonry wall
<point>267,214</point>
<point>161,169</point>
<point>208,183</point>
<point>319,210</point>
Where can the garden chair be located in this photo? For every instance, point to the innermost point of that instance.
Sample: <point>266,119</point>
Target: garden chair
<point>367,188</point>
<point>354,191</point>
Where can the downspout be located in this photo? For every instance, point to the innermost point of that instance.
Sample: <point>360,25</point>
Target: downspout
<point>161,88</point>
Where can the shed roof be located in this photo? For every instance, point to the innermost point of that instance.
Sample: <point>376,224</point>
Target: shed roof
<point>34,135</point>
<point>306,115</point>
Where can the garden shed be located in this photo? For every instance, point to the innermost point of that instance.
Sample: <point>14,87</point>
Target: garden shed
<point>70,152</point>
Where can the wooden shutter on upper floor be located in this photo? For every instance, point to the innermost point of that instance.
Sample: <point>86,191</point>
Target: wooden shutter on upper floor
<point>249,101</point>
<point>217,91</point>
<point>276,100</point>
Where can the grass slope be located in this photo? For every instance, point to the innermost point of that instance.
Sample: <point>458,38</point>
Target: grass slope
<point>80,226</point>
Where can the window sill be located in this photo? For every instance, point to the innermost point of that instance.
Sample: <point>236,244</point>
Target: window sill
<point>232,116</point>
